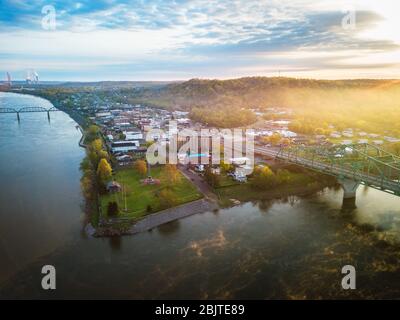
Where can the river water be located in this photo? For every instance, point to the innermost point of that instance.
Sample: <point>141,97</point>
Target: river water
<point>288,248</point>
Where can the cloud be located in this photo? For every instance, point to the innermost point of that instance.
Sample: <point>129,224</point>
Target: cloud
<point>216,37</point>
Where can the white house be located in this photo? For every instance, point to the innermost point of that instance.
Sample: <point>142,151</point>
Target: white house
<point>392,139</point>
<point>124,146</point>
<point>133,135</point>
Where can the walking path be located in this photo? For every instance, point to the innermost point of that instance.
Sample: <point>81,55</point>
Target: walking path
<point>208,203</point>
<point>168,215</point>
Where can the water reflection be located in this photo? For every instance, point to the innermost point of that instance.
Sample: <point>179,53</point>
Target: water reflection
<point>115,243</point>
<point>348,205</point>
<point>169,229</point>
<point>288,248</point>
<point>265,205</point>
<point>39,194</point>
<point>291,251</point>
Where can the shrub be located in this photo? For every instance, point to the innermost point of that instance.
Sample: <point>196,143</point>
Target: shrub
<point>112,209</point>
<point>167,199</point>
<point>263,178</point>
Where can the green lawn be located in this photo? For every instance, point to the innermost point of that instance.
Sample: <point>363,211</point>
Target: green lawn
<point>226,181</point>
<point>299,182</point>
<point>140,196</point>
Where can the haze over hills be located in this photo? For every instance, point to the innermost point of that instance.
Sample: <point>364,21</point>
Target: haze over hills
<point>97,84</point>
<point>260,91</point>
<point>373,103</point>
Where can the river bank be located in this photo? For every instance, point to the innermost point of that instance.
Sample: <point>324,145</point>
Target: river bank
<point>298,182</point>
<point>155,220</point>
<point>245,193</point>
<point>275,249</point>
<point>214,199</point>
<point>74,115</point>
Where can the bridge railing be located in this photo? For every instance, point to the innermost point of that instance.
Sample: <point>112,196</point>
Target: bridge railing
<point>355,162</point>
<point>27,109</point>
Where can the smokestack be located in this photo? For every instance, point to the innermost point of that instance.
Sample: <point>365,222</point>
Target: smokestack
<point>9,79</point>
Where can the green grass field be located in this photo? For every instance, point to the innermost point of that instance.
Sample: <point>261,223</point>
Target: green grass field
<point>139,196</point>
<point>299,182</point>
<point>226,181</point>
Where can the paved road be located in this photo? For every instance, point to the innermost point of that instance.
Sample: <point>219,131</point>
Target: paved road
<point>199,182</point>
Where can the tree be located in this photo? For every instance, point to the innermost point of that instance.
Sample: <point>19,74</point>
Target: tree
<point>96,152</point>
<point>212,179</point>
<point>283,176</point>
<point>104,171</point>
<point>395,148</point>
<point>226,167</point>
<point>263,178</point>
<point>92,132</point>
<point>148,143</point>
<point>112,209</point>
<point>85,165</point>
<point>285,141</point>
<point>96,145</point>
<point>93,157</point>
<point>224,116</point>
<point>171,174</point>
<point>87,187</point>
<point>275,138</point>
<point>141,167</point>
<point>103,154</point>
<point>167,199</point>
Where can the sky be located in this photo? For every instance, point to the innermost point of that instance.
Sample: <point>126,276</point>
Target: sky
<point>178,40</point>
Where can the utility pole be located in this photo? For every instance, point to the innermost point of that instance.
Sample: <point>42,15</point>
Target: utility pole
<point>126,209</point>
<point>124,195</point>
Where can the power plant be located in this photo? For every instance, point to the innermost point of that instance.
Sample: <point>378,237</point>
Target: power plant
<point>32,76</point>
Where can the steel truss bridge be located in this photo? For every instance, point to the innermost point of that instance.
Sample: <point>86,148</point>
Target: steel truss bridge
<point>28,110</point>
<point>358,163</point>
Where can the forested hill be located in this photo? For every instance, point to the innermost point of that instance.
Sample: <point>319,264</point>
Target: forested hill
<point>226,103</point>
<point>259,92</point>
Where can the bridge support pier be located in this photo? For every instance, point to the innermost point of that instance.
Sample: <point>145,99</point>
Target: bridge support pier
<point>349,187</point>
<point>348,205</point>
<point>349,193</point>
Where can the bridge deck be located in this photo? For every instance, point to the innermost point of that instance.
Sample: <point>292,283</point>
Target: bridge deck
<point>374,181</point>
<point>27,109</point>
